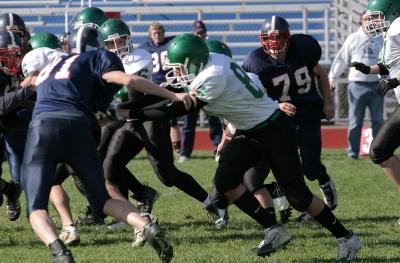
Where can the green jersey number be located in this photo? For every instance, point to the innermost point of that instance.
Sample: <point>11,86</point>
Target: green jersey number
<point>245,79</point>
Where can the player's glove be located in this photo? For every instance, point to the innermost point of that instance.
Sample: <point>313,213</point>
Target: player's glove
<point>360,67</point>
<point>387,84</point>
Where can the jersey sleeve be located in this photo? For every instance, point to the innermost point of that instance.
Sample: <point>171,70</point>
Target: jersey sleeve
<point>208,89</point>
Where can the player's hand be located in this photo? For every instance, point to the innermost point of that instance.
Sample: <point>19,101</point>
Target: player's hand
<point>288,108</point>
<point>329,110</point>
<point>361,67</point>
<point>188,99</point>
<point>387,84</point>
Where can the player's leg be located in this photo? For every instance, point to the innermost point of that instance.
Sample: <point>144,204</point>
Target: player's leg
<point>281,149</point>
<point>14,149</point>
<point>310,143</point>
<point>188,135</point>
<point>88,168</point>
<point>38,174</point>
<point>158,145</point>
<point>383,147</point>
<point>236,158</point>
<point>215,127</point>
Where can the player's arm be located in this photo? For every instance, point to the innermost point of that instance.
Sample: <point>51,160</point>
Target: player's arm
<point>146,86</point>
<point>374,69</point>
<point>176,109</point>
<point>323,86</point>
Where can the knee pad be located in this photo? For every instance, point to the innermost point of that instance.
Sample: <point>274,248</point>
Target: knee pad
<point>378,155</point>
<point>299,197</point>
<point>254,178</point>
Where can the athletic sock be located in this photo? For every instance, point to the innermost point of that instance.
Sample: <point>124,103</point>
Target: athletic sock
<point>328,220</point>
<point>249,204</point>
<point>324,177</point>
<point>188,184</point>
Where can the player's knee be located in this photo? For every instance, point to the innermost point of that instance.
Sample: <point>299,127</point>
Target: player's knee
<point>299,198</point>
<point>378,154</point>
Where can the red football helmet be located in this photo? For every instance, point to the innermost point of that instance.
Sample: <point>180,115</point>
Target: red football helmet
<point>275,35</point>
<point>10,53</point>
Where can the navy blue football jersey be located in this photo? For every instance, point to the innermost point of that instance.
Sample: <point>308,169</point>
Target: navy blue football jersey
<point>74,84</point>
<point>292,80</point>
<point>159,55</point>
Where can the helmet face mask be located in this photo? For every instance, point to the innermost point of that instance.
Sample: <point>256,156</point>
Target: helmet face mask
<point>275,35</point>
<point>380,14</point>
<point>117,36</point>
<point>275,42</point>
<point>376,23</point>
<point>10,53</point>
<point>187,56</point>
<point>178,76</point>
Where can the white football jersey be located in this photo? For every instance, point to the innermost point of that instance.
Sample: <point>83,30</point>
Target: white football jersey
<point>391,52</point>
<point>138,62</point>
<point>231,94</point>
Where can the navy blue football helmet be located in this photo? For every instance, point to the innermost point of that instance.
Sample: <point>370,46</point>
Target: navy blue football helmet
<point>84,39</point>
<point>275,35</point>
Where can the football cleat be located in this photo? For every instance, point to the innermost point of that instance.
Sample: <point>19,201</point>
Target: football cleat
<point>183,159</point>
<point>13,206</point>
<point>329,193</point>
<point>70,235</point>
<point>304,217</point>
<point>64,257</point>
<point>213,213</point>
<point>146,199</point>
<point>275,237</point>
<point>89,219</point>
<point>60,253</point>
<point>155,235</point>
<point>139,238</point>
<point>348,247</point>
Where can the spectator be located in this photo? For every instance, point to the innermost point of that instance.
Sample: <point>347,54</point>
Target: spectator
<point>362,88</point>
<point>190,119</point>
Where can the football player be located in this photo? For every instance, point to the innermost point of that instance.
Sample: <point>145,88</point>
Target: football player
<point>287,66</point>
<point>253,178</point>
<point>15,111</point>
<point>130,139</point>
<point>69,91</point>
<point>117,38</point>
<point>223,89</point>
<point>384,19</point>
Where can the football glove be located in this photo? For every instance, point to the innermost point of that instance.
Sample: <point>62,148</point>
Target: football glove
<point>387,84</point>
<point>360,67</point>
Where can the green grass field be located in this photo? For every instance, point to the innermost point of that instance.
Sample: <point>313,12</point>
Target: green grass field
<point>368,204</point>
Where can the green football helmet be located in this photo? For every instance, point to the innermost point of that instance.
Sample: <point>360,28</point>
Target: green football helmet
<point>117,36</point>
<point>380,14</point>
<point>90,16</point>
<point>219,47</point>
<point>44,39</point>
<point>187,54</point>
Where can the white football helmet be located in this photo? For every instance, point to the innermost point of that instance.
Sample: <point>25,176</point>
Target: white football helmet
<point>39,58</point>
